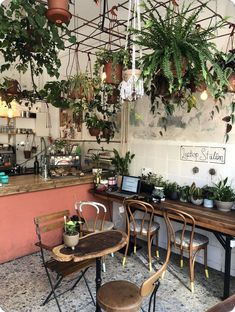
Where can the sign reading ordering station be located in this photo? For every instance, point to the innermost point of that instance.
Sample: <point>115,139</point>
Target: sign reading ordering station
<point>205,154</point>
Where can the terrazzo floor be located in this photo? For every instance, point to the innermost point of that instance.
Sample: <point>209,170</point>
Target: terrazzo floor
<point>24,285</point>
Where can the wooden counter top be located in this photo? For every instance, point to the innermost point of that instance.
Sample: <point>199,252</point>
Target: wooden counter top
<point>33,183</point>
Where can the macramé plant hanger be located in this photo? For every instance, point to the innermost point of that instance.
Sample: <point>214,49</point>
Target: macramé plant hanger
<point>132,87</point>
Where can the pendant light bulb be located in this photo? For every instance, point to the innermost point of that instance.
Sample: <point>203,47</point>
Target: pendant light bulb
<point>204,95</point>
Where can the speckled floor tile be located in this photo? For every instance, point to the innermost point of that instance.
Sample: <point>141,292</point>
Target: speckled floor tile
<point>24,285</point>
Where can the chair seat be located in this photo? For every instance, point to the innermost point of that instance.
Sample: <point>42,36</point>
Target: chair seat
<point>117,296</point>
<point>89,226</point>
<point>198,239</point>
<point>137,226</point>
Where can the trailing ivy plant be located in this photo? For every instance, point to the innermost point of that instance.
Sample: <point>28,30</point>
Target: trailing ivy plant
<point>29,40</point>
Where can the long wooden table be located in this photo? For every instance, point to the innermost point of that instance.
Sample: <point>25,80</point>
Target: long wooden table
<point>222,224</point>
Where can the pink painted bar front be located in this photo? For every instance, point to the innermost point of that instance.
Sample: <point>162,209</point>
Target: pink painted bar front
<point>17,229</point>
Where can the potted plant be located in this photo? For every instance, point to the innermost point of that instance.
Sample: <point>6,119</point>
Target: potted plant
<point>208,195</point>
<point>196,194</point>
<point>96,161</point>
<point>82,86</point>
<point>113,61</point>
<point>93,124</point>
<point>171,190</point>
<point>179,51</point>
<point>121,164</point>
<point>71,233</point>
<point>184,193</point>
<point>29,40</point>
<point>58,11</point>
<point>224,195</point>
<point>56,93</point>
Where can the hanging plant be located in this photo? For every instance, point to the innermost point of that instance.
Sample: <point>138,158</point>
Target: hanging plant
<point>58,11</point>
<point>179,51</point>
<point>112,62</point>
<point>29,40</point>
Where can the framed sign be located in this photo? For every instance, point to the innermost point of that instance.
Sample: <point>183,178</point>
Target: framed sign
<point>215,155</point>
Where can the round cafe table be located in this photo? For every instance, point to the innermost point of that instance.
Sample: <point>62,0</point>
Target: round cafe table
<point>92,246</point>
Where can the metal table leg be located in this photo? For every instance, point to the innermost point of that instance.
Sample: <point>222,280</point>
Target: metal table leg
<point>227,265</point>
<point>98,280</point>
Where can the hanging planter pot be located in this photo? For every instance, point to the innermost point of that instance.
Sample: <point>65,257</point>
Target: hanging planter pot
<point>113,73</point>
<point>94,131</point>
<point>113,97</point>
<point>58,11</point>
<point>231,83</point>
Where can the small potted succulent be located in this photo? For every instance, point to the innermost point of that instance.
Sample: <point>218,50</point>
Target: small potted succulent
<point>224,195</point>
<point>71,233</point>
<point>208,195</point>
<point>196,194</point>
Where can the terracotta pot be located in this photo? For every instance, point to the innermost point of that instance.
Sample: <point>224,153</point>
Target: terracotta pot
<point>58,11</point>
<point>13,88</point>
<point>79,94</point>
<point>114,97</point>
<point>183,67</point>
<point>231,83</point>
<point>128,73</point>
<point>113,75</point>
<point>71,240</point>
<point>223,206</point>
<point>94,131</point>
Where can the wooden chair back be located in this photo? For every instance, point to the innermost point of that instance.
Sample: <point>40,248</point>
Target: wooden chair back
<point>149,285</point>
<point>147,209</point>
<point>97,210</point>
<point>187,222</point>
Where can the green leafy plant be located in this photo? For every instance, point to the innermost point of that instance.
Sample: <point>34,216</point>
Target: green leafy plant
<point>96,160</point>
<point>120,163</point>
<point>184,193</point>
<point>223,191</point>
<point>29,40</point>
<point>195,191</point>
<point>208,192</point>
<point>153,178</point>
<point>171,189</point>
<point>180,50</point>
<point>71,227</point>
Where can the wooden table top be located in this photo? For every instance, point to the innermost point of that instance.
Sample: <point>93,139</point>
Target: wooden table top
<point>207,218</point>
<point>32,183</point>
<point>91,246</point>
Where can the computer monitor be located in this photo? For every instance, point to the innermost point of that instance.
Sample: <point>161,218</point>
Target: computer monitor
<point>130,184</point>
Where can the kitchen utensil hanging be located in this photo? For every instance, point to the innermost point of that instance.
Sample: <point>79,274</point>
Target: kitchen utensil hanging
<point>34,146</point>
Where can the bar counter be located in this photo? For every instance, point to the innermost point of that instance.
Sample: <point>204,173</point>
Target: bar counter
<point>26,197</point>
<point>32,183</point>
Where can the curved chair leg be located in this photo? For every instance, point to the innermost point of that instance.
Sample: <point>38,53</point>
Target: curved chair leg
<point>181,258</point>
<point>191,268</point>
<point>150,239</point>
<point>205,263</point>
<point>157,251</point>
<point>124,258</point>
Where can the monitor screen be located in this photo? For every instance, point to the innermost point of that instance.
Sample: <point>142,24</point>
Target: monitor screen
<point>130,184</point>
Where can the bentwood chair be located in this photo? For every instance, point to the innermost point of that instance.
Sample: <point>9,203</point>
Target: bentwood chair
<point>225,306</point>
<point>186,239</point>
<point>121,295</point>
<point>45,225</point>
<point>144,226</point>
<point>92,216</point>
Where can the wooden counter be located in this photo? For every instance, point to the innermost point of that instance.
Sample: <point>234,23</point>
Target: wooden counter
<point>32,183</point>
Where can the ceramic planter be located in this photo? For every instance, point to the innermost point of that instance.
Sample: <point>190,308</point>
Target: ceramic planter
<point>128,73</point>
<point>208,203</point>
<point>197,202</point>
<point>223,206</point>
<point>113,75</point>
<point>58,11</point>
<point>71,240</point>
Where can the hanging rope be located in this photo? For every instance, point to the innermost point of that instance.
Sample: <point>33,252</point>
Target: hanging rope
<point>132,87</point>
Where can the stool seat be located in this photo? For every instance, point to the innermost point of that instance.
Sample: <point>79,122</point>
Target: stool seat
<point>117,296</point>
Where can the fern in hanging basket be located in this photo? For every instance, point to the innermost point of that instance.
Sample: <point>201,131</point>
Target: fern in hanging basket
<point>179,49</point>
